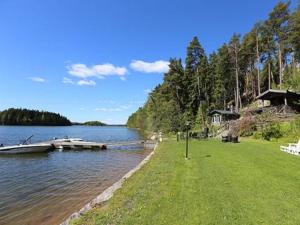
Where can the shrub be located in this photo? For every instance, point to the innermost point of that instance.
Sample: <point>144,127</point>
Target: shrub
<point>257,135</point>
<point>272,131</point>
<point>247,126</point>
<point>295,126</point>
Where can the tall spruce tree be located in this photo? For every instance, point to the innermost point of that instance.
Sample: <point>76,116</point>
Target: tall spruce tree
<point>195,54</point>
<point>225,76</point>
<point>216,82</point>
<point>174,82</point>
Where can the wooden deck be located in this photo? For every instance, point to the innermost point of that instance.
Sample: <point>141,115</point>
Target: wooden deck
<point>86,145</point>
<point>64,145</point>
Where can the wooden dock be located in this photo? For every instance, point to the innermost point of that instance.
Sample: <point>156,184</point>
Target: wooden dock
<point>79,144</point>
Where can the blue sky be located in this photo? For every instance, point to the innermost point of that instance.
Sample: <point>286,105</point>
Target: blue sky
<point>97,59</point>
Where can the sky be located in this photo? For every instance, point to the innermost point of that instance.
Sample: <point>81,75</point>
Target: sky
<point>99,59</point>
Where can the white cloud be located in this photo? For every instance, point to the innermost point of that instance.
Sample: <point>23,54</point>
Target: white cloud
<point>86,82</point>
<point>100,71</point>
<point>159,66</point>
<point>80,82</point>
<point>37,79</point>
<point>67,81</point>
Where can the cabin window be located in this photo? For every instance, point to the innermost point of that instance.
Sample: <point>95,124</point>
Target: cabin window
<point>216,118</point>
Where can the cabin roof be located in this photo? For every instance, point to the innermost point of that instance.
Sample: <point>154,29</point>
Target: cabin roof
<point>272,93</point>
<point>223,112</point>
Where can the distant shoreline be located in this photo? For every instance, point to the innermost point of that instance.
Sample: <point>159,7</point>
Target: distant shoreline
<point>106,125</point>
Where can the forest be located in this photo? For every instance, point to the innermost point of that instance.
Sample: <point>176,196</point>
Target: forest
<point>93,123</point>
<point>266,57</point>
<point>28,117</point>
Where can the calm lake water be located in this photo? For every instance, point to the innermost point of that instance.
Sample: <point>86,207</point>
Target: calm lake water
<point>44,189</point>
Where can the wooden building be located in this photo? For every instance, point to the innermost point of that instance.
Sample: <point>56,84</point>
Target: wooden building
<point>281,98</point>
<point>218,117</point>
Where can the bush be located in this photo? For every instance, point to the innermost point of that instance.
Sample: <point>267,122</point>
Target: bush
<point>257,135</point>
<point>247,126</point>
<point>295,126</point>
<point>272,131</point>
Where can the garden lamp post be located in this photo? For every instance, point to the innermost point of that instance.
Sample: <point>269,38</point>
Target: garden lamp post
<point>187,127</point>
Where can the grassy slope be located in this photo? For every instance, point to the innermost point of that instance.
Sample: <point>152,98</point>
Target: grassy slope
<point>247,183</point>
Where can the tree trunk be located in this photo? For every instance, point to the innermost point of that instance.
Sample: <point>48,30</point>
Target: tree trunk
<point>253,86</point>
<point>269,71</point>
<point>240,100</point>
<point>294,64</point>
<point>280,65</point>
<point>272,76</point>
<point>257,65</point>
<point>235,98</point>
<point>247,83</point>
<point>237,80</point>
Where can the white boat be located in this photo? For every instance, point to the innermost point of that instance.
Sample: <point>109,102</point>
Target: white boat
<point>26,148</point>
<point>76,143</point>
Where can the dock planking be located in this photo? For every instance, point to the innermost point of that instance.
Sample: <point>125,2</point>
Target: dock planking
<point>66,144</point>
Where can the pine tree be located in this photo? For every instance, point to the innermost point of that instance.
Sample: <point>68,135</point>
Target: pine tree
<point>278,25</point>
<point>174,82</point>
<point>215,82</point>
<point>235,53</point>
<point>226,76</point>
<point>248,59</point>
<point>195,54</point>
<point>295,32</point>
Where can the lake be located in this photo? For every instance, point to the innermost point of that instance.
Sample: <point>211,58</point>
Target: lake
<point>46,188</point>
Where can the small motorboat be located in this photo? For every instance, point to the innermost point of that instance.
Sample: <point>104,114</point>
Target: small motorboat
<point>26,148</point>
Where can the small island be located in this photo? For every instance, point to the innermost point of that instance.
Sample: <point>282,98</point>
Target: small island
<point>93,123</point>
<point>27,117</point>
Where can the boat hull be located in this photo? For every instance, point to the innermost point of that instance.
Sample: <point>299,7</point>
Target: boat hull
<point>23,149</point>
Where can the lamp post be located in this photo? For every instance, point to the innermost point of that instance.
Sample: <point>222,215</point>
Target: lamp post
<point>187,124</point>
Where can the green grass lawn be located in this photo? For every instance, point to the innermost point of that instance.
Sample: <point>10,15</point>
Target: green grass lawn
<point>252,182</point>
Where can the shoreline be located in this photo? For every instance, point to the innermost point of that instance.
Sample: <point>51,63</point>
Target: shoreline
<point>108,192</point>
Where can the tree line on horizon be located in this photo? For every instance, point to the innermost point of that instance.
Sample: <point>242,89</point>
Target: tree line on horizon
<point>28,117</point>
<point>267,57</point>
